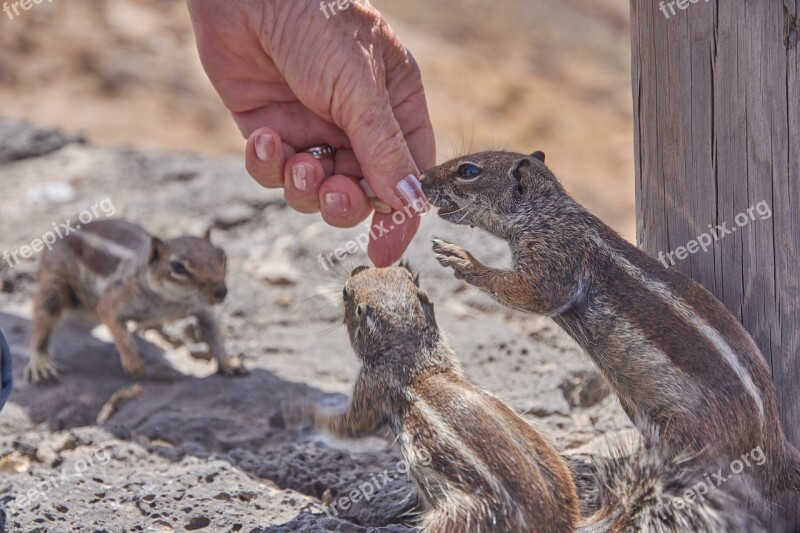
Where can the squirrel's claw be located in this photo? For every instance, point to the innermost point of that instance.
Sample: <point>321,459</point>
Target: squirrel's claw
<point>40,370</point>
<point>455,257</point>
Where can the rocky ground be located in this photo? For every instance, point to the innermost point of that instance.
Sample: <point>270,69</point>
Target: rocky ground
<point>188,450</point>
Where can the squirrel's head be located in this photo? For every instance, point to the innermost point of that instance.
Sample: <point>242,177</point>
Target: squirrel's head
<point>491,190</point>
<point>388,315</point>
<point>189,270</point>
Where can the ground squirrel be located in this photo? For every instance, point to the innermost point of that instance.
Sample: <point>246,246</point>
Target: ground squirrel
<point>117,272</point>
<point>671,352</point>
<point>477,465</point>
<point>487,469</point>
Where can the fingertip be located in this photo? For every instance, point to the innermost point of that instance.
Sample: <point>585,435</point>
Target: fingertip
<point>265,157</point>
<point>303,174</point>
<point>392,236</point>
<point>343,203</point>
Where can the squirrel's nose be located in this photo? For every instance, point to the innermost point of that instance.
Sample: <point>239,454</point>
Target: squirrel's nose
<point>220,292</point>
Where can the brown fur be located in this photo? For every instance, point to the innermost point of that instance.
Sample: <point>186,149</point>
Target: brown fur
<point>640,485</point>
<point>654,333</point>
<point>488,469</point>
<point>117,272</point>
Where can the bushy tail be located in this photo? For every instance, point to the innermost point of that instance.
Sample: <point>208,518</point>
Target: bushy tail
<point>647,488</point>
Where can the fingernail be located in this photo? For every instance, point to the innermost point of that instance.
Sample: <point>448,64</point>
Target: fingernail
<point>337,203</point>
<point>378,205</point>
<point>301,172</point>
<point>410,190</point>
<point>264,143</point>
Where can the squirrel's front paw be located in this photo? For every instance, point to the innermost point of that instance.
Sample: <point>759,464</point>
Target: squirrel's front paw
<point>40,369</point>
<point>460,260</point>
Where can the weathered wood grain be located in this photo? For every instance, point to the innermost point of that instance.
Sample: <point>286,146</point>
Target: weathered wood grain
<point>716,91</point>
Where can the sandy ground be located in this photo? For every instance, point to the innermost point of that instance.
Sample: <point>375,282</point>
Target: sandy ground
<point>143,129</point>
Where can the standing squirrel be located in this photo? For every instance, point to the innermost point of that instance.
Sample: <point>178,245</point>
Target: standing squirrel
<point>672,353</point>
<point>477,465</point>
<point>117,272</point>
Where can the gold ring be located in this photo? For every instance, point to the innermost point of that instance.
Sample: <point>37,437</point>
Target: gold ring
<point>322,151</point>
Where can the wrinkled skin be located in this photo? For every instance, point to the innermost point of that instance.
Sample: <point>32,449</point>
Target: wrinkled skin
<point>293,78</point>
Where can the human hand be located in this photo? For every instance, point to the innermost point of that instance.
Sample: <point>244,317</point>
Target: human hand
<point>294,77</point>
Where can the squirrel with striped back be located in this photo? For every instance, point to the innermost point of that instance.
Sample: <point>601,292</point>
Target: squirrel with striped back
<point>115,271</point>
<point>480,467</point>
<point>672,353</point>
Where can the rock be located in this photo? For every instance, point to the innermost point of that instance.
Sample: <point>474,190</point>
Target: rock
<point>233,215</point>
<point>19,141</point>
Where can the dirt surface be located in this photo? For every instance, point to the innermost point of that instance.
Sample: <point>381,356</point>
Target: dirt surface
<point>197,451</point>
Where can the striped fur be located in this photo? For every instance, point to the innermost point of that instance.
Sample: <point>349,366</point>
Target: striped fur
<point>477,465</point>
<point>673,354</point>
<point>641,486</point>
<point>116,272</point>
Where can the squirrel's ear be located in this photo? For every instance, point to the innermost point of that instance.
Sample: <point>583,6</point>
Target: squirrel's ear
<point>427,307</point>
<point>207,234</point>
<point>414,275</point>
<point>156,250</point>
<point>538,155</point>
<point>518,173</point>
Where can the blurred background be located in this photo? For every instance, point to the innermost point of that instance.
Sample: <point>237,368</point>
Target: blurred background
<point>522,75</point>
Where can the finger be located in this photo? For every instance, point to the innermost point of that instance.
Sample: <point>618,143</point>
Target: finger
<point>342,201</point>
<point>299,126</point>
<point>303,175</point>
<point>422,144</point>
<point>265,157</point>
<point>397,233</point>
<point>347,164</point>
<point>411,110</point>
<point>379,144</point>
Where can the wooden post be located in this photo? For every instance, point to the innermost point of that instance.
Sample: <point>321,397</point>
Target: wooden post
<point>716,92</point>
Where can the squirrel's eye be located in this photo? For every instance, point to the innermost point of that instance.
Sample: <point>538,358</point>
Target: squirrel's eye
<point>468,171</point>
<point>178,268</point>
